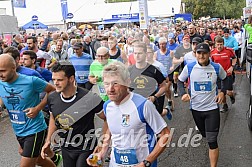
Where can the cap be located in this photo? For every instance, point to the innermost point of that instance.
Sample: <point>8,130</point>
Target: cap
<point>197,40</point>
<point>203,47</point>
<point>184,28</point>
<point>186,36</point>
<point>77,45</point>
<point>171,36</point>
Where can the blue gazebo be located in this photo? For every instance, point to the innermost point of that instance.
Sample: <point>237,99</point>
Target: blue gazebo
<point>34,24</point>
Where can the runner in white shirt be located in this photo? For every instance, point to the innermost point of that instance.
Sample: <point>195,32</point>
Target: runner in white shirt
<point>132,132</point>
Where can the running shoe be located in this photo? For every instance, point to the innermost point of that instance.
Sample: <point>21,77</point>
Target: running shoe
<point>58,160</point>
<point>232,98</point>
<point>170,105</point>
<point>224,108</point>
<point>107,159</point>
<point>175,94</point>
<point>169,114</point>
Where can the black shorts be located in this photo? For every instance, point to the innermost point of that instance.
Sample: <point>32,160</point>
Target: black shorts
<point>170,77</point>
<point>32,144</point>
<point>227,83</point>
<point>208,123</point>
<point>238,53</point>
<point>75,158</point>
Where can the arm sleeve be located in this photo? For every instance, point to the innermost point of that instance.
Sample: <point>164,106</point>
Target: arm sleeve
<point>98,108</point>
<point>184,74</point>
<point>47,74</point>
<point>159,76</point>
<point>232,52</point>
<point>222,73</point>
<point>153,118</point>
<point>236,47</point>
<point>37,74</point>
<point>163,70</point>
<point>39,85</point>
<point>248,28</point>
<point>91,69</point>
<point>177,53</point>
<point>44,46</point>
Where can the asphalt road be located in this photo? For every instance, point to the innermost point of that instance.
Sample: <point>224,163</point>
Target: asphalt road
<point>186,149</point>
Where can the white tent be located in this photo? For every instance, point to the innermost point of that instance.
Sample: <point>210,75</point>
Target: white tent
<point>49,11</point>
<point>157,8</point>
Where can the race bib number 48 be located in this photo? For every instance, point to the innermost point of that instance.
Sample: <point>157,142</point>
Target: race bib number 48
<point>125,158</point>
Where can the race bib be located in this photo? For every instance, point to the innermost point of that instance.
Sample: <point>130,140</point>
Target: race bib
<point>204,86</point>
<point>17,117</point>
<point>125,158</point>
<point>81,77</point>
<point>101,90</point>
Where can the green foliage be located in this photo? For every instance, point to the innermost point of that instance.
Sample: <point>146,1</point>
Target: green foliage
<point>215,8</point>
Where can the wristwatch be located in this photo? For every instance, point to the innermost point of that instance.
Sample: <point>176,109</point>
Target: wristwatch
<point>147,163</point>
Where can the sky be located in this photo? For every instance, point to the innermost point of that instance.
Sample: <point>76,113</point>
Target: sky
<point>49,11</point>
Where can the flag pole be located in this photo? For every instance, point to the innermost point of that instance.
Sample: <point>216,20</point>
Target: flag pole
<point>12,7</point>
<point>127,27</point>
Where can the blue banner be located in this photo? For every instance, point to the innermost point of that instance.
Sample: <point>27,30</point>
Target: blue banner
<point>19,3</point>
<point>126,16</point>
<point>64,9</point>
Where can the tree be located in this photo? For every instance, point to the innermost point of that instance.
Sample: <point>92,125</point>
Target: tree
<point>215,8</point>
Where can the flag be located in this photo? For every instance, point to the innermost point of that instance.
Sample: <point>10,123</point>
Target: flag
<point>64,9</point>
<point>19,3</point>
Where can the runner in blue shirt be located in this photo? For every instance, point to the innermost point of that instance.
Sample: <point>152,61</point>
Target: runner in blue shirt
<point>81,62</point>
<point>20,95</point>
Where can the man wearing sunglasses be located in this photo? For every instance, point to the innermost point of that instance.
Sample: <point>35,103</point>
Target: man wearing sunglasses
<point>95,72</point>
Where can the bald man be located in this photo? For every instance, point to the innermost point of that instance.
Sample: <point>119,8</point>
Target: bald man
<point>95,71</point>
<point>20,95</point>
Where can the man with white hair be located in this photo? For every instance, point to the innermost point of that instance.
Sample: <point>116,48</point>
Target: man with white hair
<point>163,56</point>
<point>132,143</point>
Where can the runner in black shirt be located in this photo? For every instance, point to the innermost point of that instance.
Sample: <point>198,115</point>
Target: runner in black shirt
<point>146,79</point>
<point>72,113</point>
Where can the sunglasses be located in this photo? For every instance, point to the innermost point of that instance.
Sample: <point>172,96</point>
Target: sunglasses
<point>101,56</point>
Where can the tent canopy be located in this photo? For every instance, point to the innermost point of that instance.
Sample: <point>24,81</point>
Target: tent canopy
<point>34,25</point>
<point>52,29</point>
<point>114,21</point>
<point>97,11</point>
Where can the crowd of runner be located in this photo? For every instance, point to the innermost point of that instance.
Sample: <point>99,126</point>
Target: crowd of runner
<point>44,77</point>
